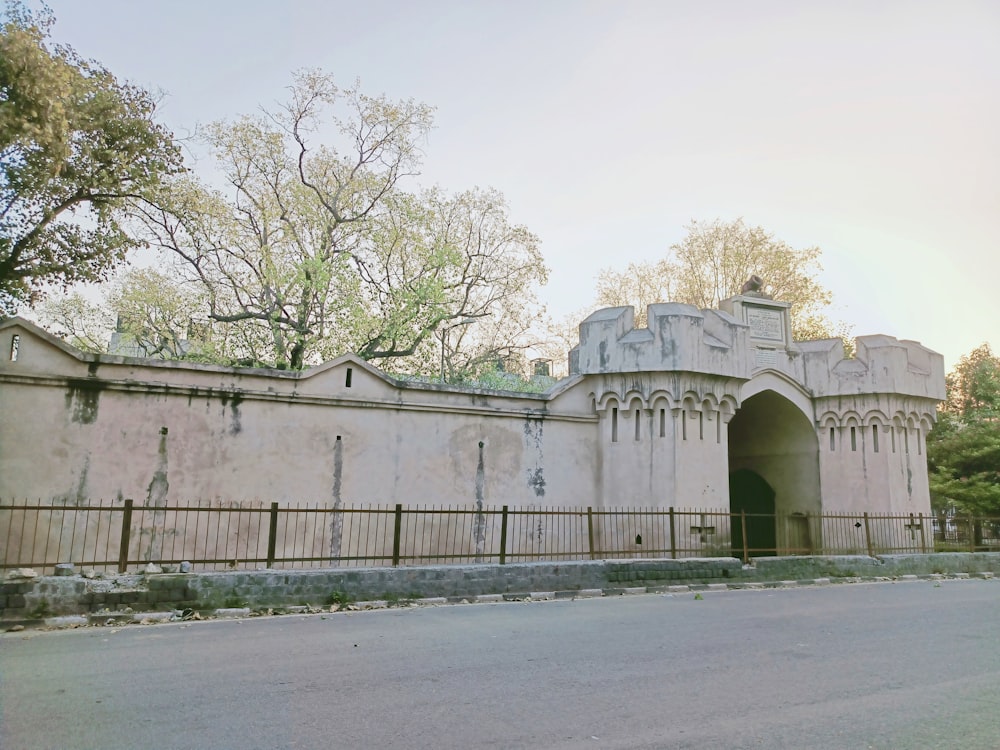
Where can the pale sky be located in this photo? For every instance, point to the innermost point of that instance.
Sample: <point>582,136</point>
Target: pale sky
<point>869,129</point>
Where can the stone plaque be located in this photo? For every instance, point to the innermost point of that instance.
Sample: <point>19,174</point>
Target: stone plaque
<point>765,323</point>
<point>766,358</point>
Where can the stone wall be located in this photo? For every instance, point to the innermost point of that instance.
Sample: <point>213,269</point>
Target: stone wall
<point>35,599</point>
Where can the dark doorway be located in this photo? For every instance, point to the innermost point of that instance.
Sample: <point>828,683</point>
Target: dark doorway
<point>749,493</point>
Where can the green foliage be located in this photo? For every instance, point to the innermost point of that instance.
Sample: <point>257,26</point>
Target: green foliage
<point>495,380</point>
<point>315,249</point>
<point>974,385</point>
<point>144,313</point>
<point>338,599</point>
<point>963,449</point>
<point>78,149</point>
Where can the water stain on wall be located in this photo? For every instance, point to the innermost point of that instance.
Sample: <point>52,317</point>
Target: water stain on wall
<point>156,493</point>
<point>82,399</point>
<point>233,401</point>
<point>156,497</point>
<point>337,521</point>
<point>533,439</point>
<point>479,524</point>
<point>78,495</point>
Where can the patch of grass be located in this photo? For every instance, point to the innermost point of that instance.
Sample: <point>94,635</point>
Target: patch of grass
<point>338,599</point>
<point>950,547</point>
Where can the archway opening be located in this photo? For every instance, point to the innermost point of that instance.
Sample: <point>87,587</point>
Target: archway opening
<point>774,468</point>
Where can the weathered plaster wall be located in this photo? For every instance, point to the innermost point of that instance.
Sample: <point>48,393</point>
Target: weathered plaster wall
<point>643,421</point>
<point>121,429</point>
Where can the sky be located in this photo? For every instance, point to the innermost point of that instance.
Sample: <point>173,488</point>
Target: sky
<point>867,129</point>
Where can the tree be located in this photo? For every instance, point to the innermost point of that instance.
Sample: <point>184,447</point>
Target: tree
<point>77,150</point>
<point>713,262</point>
<point>963,449</point>
<point>974,386</point>
<point>315,249</point>
<point>144,312</point>
<point>77,320</point>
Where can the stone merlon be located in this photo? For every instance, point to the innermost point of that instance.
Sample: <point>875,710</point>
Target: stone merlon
<point>678,338</point>
<point>882,364</point>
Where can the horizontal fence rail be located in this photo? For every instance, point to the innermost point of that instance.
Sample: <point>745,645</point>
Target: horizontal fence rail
<point>122,534</point>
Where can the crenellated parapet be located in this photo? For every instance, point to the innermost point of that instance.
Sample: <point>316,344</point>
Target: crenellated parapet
<point>678,338</point>
<point>883,366</point>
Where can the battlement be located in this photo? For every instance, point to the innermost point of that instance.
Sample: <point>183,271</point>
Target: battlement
<point>883,364</point>
<point>678,337</point>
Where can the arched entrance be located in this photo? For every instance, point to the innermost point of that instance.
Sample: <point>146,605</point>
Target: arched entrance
<point>750,494</point>
<point>773,467</point>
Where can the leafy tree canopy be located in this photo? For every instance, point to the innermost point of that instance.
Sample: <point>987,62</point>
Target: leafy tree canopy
<point>712,263</point>
<point>78,148</point>
<point>963,449</point>
<point>313,247</point>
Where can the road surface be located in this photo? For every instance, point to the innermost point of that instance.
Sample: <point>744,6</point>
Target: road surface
<point>907,665</point>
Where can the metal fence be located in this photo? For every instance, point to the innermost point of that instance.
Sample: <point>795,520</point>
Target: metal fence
<point>122,535</point>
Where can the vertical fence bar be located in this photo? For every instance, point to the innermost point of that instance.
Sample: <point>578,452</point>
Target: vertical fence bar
<point>972,534</point>
<point>868,536</point>
<point>923,536</point>
<point>743,528</point>
<point>503,535</point>
<point>673,535</point>
<point>590,530</point>
<point>272,535</point>
<point>126,528</point>
<point>395,534</point>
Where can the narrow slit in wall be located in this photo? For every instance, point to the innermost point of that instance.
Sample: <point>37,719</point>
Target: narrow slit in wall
<point>614,424</point>
<point>875,437</point>
<point>854,438</point>
<point>833,438</point>
<point>347,380</point>
<point>15,347</point>
<point>663,422</point>
<point>638,416</point>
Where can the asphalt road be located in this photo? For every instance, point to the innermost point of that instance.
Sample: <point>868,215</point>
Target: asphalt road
<point>908,665</point>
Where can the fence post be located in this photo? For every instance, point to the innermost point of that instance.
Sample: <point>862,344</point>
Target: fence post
<point>923,538</point>
<point>868,536</point>
<point>972,534</point>
<point>126,530</point>
<point>673,536</point>
<point>272,535</point>
<point>590,530</point>
<point>395,534</point>
<point>743,527</point>
<point>503,535</point>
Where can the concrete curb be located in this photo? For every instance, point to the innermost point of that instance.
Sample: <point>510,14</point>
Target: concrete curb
<point>118,619</point>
